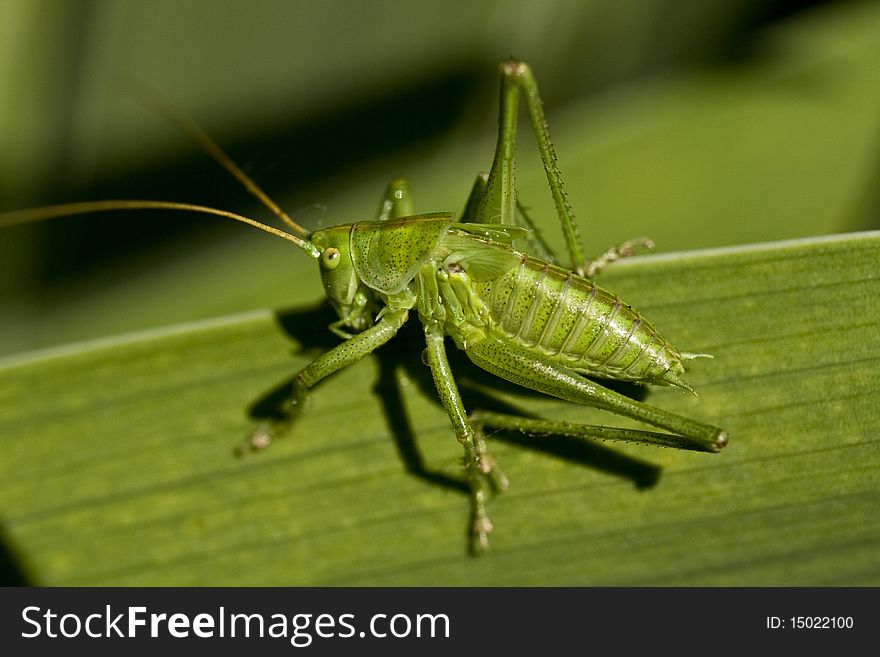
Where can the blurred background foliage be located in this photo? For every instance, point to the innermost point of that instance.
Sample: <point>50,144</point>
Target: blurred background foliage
<point>698,123</point>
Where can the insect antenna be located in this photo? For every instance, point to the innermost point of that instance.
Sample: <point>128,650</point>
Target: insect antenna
<point>201,138</point>
<point>204,141</point>
<point>67,209</point>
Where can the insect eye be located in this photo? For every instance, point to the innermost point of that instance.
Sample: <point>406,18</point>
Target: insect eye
<point>330,258</point>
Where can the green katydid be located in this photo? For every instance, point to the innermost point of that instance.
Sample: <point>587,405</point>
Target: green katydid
<point>523,317</point>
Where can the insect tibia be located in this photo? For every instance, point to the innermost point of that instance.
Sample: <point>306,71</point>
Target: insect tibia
<point>516,76</point>
<point>540,427</point>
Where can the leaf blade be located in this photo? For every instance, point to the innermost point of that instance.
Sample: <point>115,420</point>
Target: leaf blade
<point>116,465</point>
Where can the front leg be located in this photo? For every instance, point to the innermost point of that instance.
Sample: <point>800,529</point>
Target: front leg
<point>480,468</point>
<point>341,356</point>
<point>396,201</point>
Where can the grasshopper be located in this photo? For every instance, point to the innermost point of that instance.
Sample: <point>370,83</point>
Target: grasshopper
<point>487,281</point>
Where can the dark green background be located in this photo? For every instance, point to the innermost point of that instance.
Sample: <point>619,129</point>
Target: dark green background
<point>698,124</point>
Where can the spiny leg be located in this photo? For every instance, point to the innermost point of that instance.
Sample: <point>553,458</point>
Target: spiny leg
<point>479,466</point>
<point>341,356</point>
<point>538,246</point>
<point>542,427</point>
<point>493,198</point>
<point>498,204</point>
<point>524,368</point>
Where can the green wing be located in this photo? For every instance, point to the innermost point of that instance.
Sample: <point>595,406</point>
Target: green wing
<point>481,256</point>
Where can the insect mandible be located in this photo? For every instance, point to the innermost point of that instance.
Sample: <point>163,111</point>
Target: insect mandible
<point>487,281</point>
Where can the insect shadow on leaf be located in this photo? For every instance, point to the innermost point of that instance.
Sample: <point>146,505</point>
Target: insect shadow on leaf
<point>13,568</point>
<point>306,327</point>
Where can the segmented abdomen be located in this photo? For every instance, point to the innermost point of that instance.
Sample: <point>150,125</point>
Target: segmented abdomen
<point>574,322</point>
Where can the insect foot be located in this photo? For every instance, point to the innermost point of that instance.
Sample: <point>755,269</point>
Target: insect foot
<point>258,440</point>
<point>719,442</point>
<point>481,525</point>
<point>484,478</point>
<point>623,250</point>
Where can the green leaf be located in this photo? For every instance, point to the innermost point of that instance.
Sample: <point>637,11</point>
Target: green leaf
<point>117,468</point>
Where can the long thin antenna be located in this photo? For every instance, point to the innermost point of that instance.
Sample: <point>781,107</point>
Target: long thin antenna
<point>194,132</point>
<point>51,211</point>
